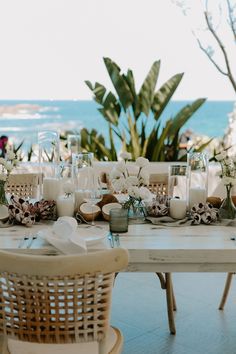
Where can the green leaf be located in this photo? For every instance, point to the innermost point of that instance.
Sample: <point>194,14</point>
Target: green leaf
<point>120,84</point>
<point>146,93</point>
<point>184,114</point>
<point>164,94</point>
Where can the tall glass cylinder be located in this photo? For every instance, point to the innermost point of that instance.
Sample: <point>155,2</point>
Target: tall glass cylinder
<point>198,178</point>
<point>177,190</point>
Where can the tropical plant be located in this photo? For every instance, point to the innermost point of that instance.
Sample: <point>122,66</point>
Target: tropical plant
<point>129,113</point>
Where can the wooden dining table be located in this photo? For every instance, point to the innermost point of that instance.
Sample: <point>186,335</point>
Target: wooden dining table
<point>152,248</point>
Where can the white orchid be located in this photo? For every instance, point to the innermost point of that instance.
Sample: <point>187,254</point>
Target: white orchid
<point>7,164</point>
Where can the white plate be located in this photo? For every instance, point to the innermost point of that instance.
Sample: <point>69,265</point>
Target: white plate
<point>91,235</point>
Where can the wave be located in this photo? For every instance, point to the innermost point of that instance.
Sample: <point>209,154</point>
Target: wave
<point>25,116</point>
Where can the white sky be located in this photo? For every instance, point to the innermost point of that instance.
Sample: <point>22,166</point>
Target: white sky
<point>49,47</point>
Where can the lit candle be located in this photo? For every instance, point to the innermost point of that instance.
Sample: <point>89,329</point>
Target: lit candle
<point>65,205</point>
<point>51,188</point>
<point>178,208</point>
<point>197,195</point>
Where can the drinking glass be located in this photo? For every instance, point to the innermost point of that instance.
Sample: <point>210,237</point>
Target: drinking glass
<point>49,146</point>
<point>93,193</point>
<point>82,163</point>
<point>118,223</point>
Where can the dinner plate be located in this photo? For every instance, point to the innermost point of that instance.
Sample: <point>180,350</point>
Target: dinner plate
<point>91,235</point>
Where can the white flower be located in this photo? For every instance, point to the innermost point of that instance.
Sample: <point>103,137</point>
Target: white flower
<point>142,162</point>
<point>144,176</point>
<point>118,184</point>
<point>132,181</point>
<point>8,166</point>
<point>145,193</point>
<point>134,191</point>
<point>3,178</point>
<point>125,155</point>
<point>2,161</point>
<point>115,174</point>
<point>121,166</point>
<point>11,155</point>
<point>228,180</point>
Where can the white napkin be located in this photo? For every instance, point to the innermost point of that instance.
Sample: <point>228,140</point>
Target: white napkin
<point>61,234</point>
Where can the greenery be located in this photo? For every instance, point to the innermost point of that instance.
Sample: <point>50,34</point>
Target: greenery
<point>129,112</point>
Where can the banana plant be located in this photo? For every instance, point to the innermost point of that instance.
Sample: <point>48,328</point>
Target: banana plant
<point>128,113</point>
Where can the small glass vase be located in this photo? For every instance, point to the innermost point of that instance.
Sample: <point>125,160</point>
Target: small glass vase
<point>137,212</point>
<point>3,199</point>
<point>227,209</point>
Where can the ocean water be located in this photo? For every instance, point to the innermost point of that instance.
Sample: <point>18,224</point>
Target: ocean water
<point>21,120</point>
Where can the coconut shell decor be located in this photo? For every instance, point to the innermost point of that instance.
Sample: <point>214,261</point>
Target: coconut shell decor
<point>89,212</point>
<point>204,213</point>
<point>215,201</point>
<point>106,209</point>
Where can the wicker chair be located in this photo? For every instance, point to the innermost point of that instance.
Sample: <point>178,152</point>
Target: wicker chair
<point>24,185</point>
<point>59,304</point>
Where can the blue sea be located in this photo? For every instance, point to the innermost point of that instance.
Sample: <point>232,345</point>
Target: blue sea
<point>21,120</point>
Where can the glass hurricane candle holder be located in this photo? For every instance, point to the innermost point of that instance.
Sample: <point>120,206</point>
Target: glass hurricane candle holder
<point>198,178</point>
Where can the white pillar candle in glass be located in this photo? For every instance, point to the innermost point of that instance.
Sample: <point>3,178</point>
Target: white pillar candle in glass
<point>178,208</point>
<point>51,188</point>
<point>197,195</point>
<point>65,205</point>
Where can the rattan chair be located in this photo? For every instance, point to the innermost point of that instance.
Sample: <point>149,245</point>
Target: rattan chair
<point>24,185</point>
<point>59,304</point>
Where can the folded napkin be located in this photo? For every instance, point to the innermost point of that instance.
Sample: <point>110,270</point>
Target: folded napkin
<point>63,231</point>
<point>163,221</point>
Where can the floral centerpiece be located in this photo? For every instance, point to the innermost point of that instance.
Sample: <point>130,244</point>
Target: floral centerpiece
<point>6,166</point>
<point>228,174</point>
<point>134,186</point>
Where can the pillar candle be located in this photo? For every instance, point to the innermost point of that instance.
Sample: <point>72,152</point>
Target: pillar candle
<point>65,205</point>
<point>178,208</point>
<point>51,188</point>
<point>197,195</point>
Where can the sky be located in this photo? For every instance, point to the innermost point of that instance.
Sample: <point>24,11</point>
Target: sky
<point>50,47</point>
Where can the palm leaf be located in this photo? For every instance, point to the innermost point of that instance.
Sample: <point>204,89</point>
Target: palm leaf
<point>119,83</point>
<point>164,94</point>
<point>146,93</point>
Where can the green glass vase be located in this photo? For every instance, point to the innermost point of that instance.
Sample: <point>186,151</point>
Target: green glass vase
<point>227,209</point>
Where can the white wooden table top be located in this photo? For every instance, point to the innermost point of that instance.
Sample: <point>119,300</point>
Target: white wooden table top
<point>204,248</point>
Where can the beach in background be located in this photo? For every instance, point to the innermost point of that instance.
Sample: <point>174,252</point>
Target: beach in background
<point>21,120</point>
